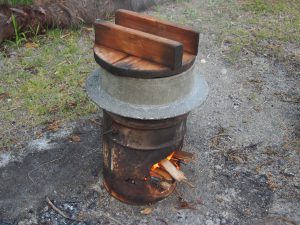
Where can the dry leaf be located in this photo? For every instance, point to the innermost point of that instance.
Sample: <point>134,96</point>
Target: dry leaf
<point>31,45</point>
<point>71,105</point>
<point>38,134</point>
<point>61,87</point>
<point>185,205</point>
<point>81,83</point>
<point>75,138</point>
<point>54,109</point>
<point>95,122</point>
<point>54,126</point>
<point>65,35</point>
<point>147,211</point>
<point>88,29</point>
<point>3,96</point>
<point>270,182</point>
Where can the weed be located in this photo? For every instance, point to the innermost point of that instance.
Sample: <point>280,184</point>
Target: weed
<point>34,33</point>
<point>19,37</point>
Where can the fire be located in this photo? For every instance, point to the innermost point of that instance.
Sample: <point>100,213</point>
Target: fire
<point>155,166</point>
<point>169,157</point>
<point>167,171</point>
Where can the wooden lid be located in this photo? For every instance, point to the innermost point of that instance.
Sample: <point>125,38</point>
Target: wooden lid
<point>144,47</point>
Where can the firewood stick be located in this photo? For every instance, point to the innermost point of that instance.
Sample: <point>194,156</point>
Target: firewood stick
<point>162,174</point>
<point>184,156</point>
<point>188,183</point>
<point>165,185</point>
<point>172,170</point>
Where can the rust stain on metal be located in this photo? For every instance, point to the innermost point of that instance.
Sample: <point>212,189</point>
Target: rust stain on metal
<point>130,151</point>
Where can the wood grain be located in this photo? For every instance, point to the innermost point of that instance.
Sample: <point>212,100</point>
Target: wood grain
<point>188,37</point>
<point>137,43</point>
<point>108,54</point>
<point>135,63</point>
<point>122,64</point>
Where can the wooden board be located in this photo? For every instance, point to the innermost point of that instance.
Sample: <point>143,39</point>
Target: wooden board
<point>135,63</point>
<point>109,55</point>
<point>188,37</point>
<point>146,46</point>
<point>122,64</point>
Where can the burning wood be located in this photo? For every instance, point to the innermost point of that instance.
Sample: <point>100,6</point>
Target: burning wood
<point>161,174</point>
<point>172,170</point>
<point>168,169</point>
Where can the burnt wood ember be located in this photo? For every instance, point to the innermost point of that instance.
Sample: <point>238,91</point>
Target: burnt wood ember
<point>146,87</point>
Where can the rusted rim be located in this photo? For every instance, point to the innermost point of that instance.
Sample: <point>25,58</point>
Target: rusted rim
<point>147,124</point>
<point>123,198</point>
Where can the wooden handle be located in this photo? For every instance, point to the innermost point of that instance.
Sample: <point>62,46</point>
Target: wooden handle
<point>188,37</point>
<point>137,43</point>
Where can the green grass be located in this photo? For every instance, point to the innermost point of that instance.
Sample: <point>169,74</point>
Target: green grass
<point>242,28</point>
<point>271,6</point>
<point>16,2</point>
<point>264,28</point>
<point>46,83</point>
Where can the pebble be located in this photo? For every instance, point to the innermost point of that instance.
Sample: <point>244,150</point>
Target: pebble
<point>223,71</point>
<point>218,167</point>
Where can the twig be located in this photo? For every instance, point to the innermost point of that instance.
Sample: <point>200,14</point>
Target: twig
<point>107,132</point>
<point>12,109</point>
<point>95,122</point>
<point>9,110</point>
<point>41,166</point>
<point>177,193</point>
<point>188,183</point>
<point>291,100</point>
<point>20,11</point>
<point>58,210</point>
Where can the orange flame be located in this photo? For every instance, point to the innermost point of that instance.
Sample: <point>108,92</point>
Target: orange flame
<point>156,165</point>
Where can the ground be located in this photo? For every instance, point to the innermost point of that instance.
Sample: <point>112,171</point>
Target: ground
<point>245,136</point>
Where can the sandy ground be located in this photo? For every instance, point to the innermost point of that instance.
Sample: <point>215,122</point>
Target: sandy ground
<point>245,136</point>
